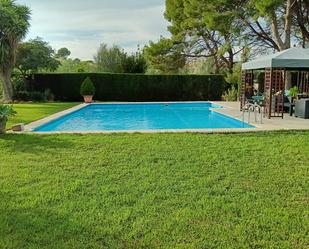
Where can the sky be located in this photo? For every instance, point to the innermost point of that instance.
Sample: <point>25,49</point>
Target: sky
<point>82,25</point>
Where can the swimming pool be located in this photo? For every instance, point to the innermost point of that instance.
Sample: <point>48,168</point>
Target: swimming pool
<point>154,116</point>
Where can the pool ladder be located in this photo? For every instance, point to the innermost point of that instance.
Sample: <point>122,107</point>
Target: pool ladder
<point>252,108</point>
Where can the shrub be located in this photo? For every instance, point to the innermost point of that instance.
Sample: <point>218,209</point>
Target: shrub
<point>37,96</point>
<point>29,96</point>
<point>87,87</point>
<point>6,111</point>
<point>132,87</point>
<point>19,83</point>
<point>293,92</point>
<point>231,94</point>
<point>48,95</point>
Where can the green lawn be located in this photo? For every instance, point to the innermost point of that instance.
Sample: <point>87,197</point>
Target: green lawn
<point>27,113</point>
<point>155,191</point>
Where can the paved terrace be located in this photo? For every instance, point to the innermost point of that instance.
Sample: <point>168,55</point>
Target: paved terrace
<point>232,109</point>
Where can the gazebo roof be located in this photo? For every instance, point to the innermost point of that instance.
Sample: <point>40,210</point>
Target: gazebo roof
<point>290,58</point>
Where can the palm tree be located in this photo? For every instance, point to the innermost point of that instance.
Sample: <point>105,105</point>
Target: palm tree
<point>14,24</point>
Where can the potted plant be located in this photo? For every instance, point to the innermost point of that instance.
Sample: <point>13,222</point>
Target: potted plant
<point>5,112</point>
<point>293,93</point>
<point>87,90</point>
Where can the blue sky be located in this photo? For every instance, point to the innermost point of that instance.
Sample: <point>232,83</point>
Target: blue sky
<point>81,25</point>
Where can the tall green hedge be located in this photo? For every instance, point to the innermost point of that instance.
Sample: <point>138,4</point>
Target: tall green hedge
<point>132,87</point>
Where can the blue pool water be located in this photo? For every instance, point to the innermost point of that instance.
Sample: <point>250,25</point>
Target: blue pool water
<point>106,117</point>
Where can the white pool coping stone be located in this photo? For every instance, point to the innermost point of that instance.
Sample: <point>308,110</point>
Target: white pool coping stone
<point>230,109</point>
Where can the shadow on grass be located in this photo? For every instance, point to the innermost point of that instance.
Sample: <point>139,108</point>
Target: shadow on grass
<point>35,143</point>
<point>38,228</point>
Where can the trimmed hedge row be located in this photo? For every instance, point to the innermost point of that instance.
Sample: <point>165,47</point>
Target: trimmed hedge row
<point>131,87</point>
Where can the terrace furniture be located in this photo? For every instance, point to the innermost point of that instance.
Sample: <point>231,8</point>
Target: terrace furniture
<point>259,99</point>
<point>291,108</point>
<point>288,105</point>
<point>302,108</point>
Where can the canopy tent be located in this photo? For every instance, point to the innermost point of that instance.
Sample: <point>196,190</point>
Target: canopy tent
<point>290,58</point>
<point>277,68</point>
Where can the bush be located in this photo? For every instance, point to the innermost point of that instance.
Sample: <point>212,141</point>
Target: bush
<point>37,96</point>
<point>132,87</point>
<point>6,111</point>
<point>48,95</point>
<point>29,96</point>
<point>87,87</point>
<point>19,83</point>
<point>231,94</point>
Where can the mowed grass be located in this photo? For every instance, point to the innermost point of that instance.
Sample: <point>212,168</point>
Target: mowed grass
<point>27,113</point>
<point>155,191</point>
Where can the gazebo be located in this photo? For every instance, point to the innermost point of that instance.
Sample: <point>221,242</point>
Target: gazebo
<point>281,71</point>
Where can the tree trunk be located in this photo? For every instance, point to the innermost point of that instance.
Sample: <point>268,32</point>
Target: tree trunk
<point>7,86</point>
<point>288,23</point>
<point>288,80</point>
<point>276,33</point>
<point>286,43</point>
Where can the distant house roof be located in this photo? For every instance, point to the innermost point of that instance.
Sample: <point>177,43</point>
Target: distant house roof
<point>290,58</point>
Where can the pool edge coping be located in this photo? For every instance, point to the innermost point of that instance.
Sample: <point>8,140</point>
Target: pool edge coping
<point>36,124</point>
<point>29,128</point>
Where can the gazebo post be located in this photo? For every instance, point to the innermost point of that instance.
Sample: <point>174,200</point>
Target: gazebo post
<point>271,92</point>
<point>243,89</point>
<point>268,91</point>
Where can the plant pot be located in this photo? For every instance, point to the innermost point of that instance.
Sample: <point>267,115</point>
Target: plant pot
<point>3,125</point>
<point>88,99</point>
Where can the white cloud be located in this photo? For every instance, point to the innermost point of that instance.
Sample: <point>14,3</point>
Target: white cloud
<point>82,25</point>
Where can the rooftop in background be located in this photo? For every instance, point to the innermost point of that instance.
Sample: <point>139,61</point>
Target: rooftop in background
<point>290,58</point>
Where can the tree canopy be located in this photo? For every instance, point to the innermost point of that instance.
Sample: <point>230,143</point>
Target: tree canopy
<point>224,29</point>
<point>63,53</point>
<point>14,24</point>
<point>35,55</point>
<point>76,66</point>
<point>115,60</point>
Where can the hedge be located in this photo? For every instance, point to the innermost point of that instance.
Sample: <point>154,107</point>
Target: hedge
<point>131,87</point>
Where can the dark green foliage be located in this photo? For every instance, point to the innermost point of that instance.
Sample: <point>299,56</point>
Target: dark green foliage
<point>6,111</point>
<point>134,63</point>
<point>115,60</point>
<point>14,24</point>
<point>164,56</point>
<point>35,55</point>
<point>29,96</point>
<point>22,92</point>
<point>63,53</point>
<point>48,95</point>
<point>132,87</point>
<point>87,87</point>
<point>19,83</point>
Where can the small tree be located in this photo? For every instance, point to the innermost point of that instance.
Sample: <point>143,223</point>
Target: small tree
<point>5,112</point>
<point>63,53</point>
<point>14,24</point>
<point>109,59</point>
<point>87,88</point>
<point>35,55</point>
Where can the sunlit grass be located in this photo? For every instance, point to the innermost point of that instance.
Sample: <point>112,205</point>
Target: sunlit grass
<point>155,191</point>
<point>27,113</point>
